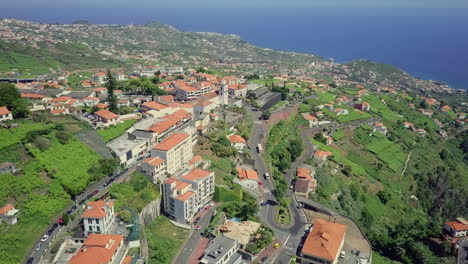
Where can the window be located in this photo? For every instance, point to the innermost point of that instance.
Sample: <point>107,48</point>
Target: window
<point>90,220</point>
<point>97,221</point>
<point>98,229</point>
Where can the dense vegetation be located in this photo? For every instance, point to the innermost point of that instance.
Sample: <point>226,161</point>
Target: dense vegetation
<point>54,166</point>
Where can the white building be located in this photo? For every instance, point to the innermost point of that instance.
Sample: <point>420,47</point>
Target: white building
<point>238,142</point>
<point>154,167</point>
<point>99,78</point>
<point>176,150</point>
<point>179,200</point>
<point>222,250</point>
<point>98,217</point>
<point>5,114</point>
<point>202,182</point>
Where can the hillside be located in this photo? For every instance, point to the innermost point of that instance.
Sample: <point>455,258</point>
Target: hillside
<point>29,48</point>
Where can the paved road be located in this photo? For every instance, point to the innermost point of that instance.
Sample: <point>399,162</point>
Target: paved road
<point>80,199</point>
<point>184,254</point>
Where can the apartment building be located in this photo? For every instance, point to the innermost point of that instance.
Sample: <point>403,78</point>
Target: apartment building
<point>154,167</point>
<point>237,90</point>
<point>176,150</point>
<point>98,217</point>
<point>97,249</point>
<point>185,91</point>
<point>202,183</point>
<point>179,200</point>
<point>99,78</point>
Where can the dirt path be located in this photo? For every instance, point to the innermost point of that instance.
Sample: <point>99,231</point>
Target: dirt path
<point>406,162</point>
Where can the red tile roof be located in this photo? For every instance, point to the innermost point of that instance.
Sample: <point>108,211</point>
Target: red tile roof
<point>324,240</point>
<point>4,110</point>
<point>195,174</point>
<point>61,99</point>
<point>97,249</point>
<point>195,159</point>
<point>96,210</point>
<point>154,161</point>
<point>155,105</point>
<point>32,96</point>
<point>247,174</point>
<point>185,196</point>
<point>101,106</point>
<point>106,114</point>
<point>5,209</point>
<point>236,139</point>
<point>457,226</point>
<point>171,141</point>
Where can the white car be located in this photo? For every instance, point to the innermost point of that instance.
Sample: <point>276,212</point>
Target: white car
<point>44,238</point>
<point>343,253</point>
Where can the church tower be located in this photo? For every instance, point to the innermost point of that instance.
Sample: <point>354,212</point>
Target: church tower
<point>223,93</point>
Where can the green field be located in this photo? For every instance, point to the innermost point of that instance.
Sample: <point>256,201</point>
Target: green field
<point>15,135</point>
<point>112,132</point>
<point>226,195</point>
<point>338,134</point>
<point>388,152</point>
<point>351,116</point>
<point>381,109</point>
<point>164,240</point>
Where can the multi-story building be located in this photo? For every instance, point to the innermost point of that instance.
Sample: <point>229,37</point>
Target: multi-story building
<point>324,243</point>
<point>5,114</point>
<point>154,167</point>
<point>179,200</point>
<point>99,78</point>
<point>222,250</point>
<point>176,150</point>
<point>185,91</point>
<point>97,249</point>
<point>98,217</point>
<point>202,182</point>
<point>237,90</point>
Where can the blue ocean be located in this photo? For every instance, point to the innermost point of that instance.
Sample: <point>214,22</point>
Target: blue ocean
<point>429,43</point>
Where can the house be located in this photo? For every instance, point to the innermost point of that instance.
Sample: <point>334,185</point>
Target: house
<point>362,107</point>
<point>319,114</point>
<point>362,92</point>
<point>328,140</point>
<point>34,98</point>
<point>176,150</point>
<point>59,111</point>
<point>457,228</point>
<point>238,142</point>
<point>123,103</point>
<point>154,167</point>
<point>99,78</point>
<point>90,101</point>
<point>107,117</point>
<point>306,182</point>
<point>222,250</point>
<point>100,91</point>
<point>101,106</point>
<point>340,111</point>
<point>99,249</point>
<point>202,107</point>
<point>5,114</point>
<point>438,123</point>
<point>179,200</point>
<point>409,125</point>
<point>324,243</point>
<point>8,214</point>
<point>379,127</point>
<point>7,167</point>
<point>202,183</point>
<point>445,109</point>
<point>248,179</point>
<point>237,90</point>
<point>461,115</point>
<point>313,121</point>
<point>241,232</point>
<point>61,99</point>
<point>421,132</point>
<point>98,217</point>
<point>426,112</point>
<point>321,155</point>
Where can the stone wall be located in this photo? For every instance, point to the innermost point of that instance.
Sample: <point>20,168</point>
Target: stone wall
<point>150,212</point>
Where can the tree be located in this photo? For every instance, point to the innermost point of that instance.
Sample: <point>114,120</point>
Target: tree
<point>62,137</point>
<point>125,215</point>
<point>320,138</point>
<point>11,98</point>
<point>65,219</point>
<point>251,247</point>
<point>111,98</point>
<point>224,141</point>
<point>266,115</point>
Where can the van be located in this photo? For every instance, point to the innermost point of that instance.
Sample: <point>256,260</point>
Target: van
<point>343,253</point>
<point>266,176</point>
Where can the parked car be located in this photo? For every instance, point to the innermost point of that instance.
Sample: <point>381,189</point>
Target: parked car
<point>343,253</point>
<point>44,238</point>
<point>266,176</point>
<point>95,192</point>
<point>30,260</point>
<point>198,227</point>
<point>38,247</point>
<point>73,208</point>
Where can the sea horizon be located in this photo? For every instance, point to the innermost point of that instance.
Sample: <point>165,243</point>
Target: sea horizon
<point>425,42</point>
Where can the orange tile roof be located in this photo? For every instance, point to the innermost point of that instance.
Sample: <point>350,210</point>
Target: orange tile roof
<point>72,101</point>
<point>457,226</point>
<point>185,196</point>
<point>4,110</point>
<point>97,249</point>
<point>324,240</point>
<point>127,260</point>
<point>100,74</point>
<point>321,153</point>
<point>169,98</point>
<point>170,142</point>
<point>178,115</point>
<point>309,117</point>
<point>106,114</point>
<point>155,105</point>
<point>100,89</point>
<point>154,161</point>
<point>247,174</point>
<point>101,106</point>
<point>96,210</point>
<point>61,99</point>
<point>31,96</point>
<point>195,159</point>
<point>195,174</point>
<point>58,111</point>
<point>236,139</point>
<point>5,209</point>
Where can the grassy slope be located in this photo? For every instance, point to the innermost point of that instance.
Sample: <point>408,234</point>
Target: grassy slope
<point>112,132</point>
